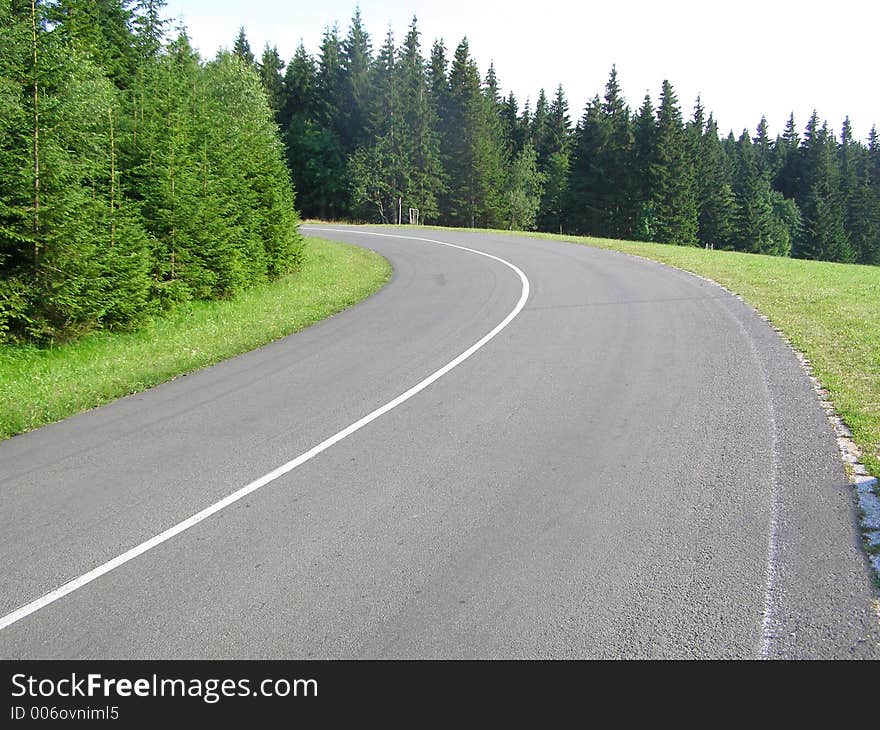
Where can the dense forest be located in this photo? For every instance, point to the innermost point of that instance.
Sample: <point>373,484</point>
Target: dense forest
<point>372,134</point>
<point>133,176</point>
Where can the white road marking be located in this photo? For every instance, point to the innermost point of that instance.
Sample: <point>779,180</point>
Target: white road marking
<point>195,519</point>
<point>769,618</point>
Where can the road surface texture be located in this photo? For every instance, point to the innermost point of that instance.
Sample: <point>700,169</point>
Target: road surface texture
<point>634,466</point>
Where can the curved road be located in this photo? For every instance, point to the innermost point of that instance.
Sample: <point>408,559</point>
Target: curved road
<point>634,465</point>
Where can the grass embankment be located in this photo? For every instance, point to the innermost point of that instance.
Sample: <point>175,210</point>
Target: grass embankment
<point>38,386</point>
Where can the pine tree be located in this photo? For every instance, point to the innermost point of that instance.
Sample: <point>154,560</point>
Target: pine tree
<point>587,208</point>
<point>539,131</point>
<point>380,173</point>
<point>551,214</point>
<point>149,26</point>
<point>644,168</point>
<point>865,225</point>
<point>299,88</point>
<point>616,156</point>
<point>674,200</point>
<point>114,204</point>
<point>100,30</point>
<point>559,122</point>
<point>269,69</point>
<point>787,162</point>
<point>524,190</point>
<point>763,149</point>
<point>510,125</point>
<point>65,232</point>
<point>422,142</point>
<point>355,56</point>
<point>473,155</point>
<point>492,88</point>
<point>713,185</point>
<point>320,143</point>
<point>242,48</point>
<point>757,229</point>
<point>824,233</point>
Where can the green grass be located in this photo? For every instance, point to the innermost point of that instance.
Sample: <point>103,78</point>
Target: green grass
<point>38,386</point>
<point>829,312</point>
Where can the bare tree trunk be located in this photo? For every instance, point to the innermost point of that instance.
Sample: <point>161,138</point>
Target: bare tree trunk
<point>36,150</point>
<point>173,213</point>
<point>112,179</point>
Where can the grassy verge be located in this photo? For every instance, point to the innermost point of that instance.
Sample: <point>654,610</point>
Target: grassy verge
<point>830,312</point>
<point>38,386</point>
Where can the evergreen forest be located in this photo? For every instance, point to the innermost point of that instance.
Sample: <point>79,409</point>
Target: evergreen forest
<point>372,132</point>
<point>136,176</point>
<point>133,176</point>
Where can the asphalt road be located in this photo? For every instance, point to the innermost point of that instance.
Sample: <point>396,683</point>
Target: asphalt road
<point>634,466</point>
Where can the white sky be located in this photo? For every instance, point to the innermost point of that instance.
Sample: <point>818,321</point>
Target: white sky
<point>745,58</point>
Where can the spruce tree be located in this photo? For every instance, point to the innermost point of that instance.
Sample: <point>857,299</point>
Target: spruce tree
<point>865,230</point>
<point>356,59</point>
<point>675,205</point>
<point>67,236</point>
<point>380,172</point>
<point>422,142</point>
<point>616,155</point>
<point>644,166</point>
<point>714,188</point>
<point>269,69</point>
<point>824,233</point>
<point>763,149</point>
<point>473,155</point>
<point>100,30</point>
<point>314,154</point>
<point>539,132</point>
<point>524,190</point>
<point>299,88</point>
<point>242,48</point>
<point>559,123</point>
<point>149,26</point>
<point>586,206</point>
<point>757,230</point>
<point>320,144</point>
<point>492,88</point>
<point>551,214</point>
<point>123,192</point>
<point>438,79</point>
<point>787,162</point>
<point>331,84</point>
<point>852,189</point>
<point>511,128</point>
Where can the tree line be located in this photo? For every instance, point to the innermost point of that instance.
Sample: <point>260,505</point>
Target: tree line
<point>133,176</point>
<point>371,134</point>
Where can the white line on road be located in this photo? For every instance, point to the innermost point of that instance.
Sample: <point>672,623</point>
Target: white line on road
<point>195,519</point>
